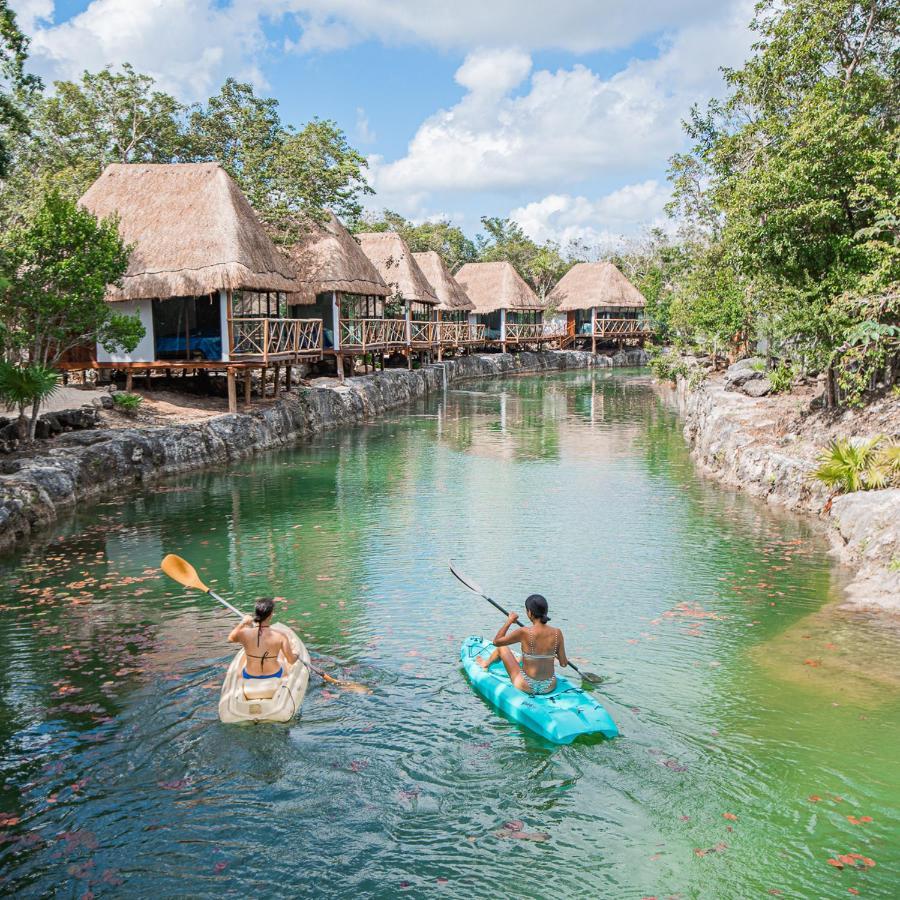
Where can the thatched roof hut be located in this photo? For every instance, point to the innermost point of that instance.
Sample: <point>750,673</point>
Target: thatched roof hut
<point>447,289</point>
<point>396,265</point>
<point>327,258</point>
<point>599,284</point>
<point>496,285</point>
<point>193,232</point>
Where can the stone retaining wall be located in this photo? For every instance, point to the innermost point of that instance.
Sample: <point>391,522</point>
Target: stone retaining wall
<point>733,438</point>
<point>34,489</point>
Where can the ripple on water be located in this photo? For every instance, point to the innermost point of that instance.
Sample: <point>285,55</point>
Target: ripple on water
<point>738,767</point>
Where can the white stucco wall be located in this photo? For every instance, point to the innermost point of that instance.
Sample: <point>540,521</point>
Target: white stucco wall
<point>223,319</point>
<point>145,350</point>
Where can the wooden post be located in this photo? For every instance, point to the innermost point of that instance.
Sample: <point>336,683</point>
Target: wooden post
<point>275,388</point>
<point>287,378</point>
<point>248,386</point>
<point>262,382</point>
<point>129,380</point>
<point>340,366</point>
<point>232,390</point>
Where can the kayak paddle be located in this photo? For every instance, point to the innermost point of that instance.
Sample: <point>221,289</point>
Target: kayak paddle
<point>590,677</point>
<point>184,573</point>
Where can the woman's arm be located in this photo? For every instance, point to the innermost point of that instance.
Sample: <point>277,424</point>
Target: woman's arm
<point>561,650</point>
<point>244,623</point>
<point>502,639</point>
<point>288,650</point>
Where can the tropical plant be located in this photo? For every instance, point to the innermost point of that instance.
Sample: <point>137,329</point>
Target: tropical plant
<point>57,268</point>
<point>848,466</point>
<point>24,386</point>
<point>782,378</point>
<point>127,403</point>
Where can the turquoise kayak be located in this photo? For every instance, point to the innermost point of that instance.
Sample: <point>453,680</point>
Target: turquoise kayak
<point>561,716</point>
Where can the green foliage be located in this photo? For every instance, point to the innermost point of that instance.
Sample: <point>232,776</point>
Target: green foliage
<point>449,241</point>
<point>16,88</point>
<point>782,378</point>
<point>790,192</point>
<point>127,403</point>
<point>26,385</point>
<point>288,175</point>
<point>56,270</point>
<point>541,265</point>
<point>669,366</point>
<point>847,466</point>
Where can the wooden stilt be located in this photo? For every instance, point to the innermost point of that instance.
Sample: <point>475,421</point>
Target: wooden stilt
<point>262,381</point>
<point>275,387</point>
<point>232,391</point>
<point>248,386</point>
<point>287,378</point>
<point>129,380</point>
<point>593,343</point>
<point>340,367</point>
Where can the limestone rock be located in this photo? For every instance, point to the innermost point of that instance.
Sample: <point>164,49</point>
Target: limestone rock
<point>757,387</point>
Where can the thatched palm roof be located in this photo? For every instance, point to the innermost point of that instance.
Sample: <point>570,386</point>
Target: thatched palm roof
<point>586,285</point>
<point>396,265</point>
<point>192,229</point>
<point>496,285</point>
<point>327,258</point>
<point>451,296</point>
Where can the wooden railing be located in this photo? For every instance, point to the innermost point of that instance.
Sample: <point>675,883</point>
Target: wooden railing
<point>374,334</point>
<point>422,332</point>
<point>528,332</point>
<point>454,334</point>
<point>265,338</point>
<point>622,328</point>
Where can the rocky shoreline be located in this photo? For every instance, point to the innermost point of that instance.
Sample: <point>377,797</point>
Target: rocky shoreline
<point>767,447</point>
<point>35,489</point>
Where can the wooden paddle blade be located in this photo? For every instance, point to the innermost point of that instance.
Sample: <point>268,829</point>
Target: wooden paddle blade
<point>182,571</point>
<point>354,686</point>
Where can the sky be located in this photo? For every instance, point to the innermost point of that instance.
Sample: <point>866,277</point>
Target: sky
<point>561,114</point>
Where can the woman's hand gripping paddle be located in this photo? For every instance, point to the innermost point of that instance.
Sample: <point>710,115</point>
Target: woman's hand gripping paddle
<point>183,572</point>
<point>590,677</point>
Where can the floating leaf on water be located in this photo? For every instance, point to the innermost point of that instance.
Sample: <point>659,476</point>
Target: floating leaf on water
<point>730,816</point>
<point>220,867</point>
<point>814,798</point>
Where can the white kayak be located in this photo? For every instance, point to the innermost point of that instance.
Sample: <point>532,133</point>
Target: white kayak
<point>265,699</point>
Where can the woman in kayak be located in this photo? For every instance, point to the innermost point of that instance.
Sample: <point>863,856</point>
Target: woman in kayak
<point>262,643</point>
<point>541,646</point>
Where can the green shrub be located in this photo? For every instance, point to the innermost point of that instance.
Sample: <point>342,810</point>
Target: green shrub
<point>782,378</point>
<point>668,366</point>
<point>127,403</point>
<point>847,467</point>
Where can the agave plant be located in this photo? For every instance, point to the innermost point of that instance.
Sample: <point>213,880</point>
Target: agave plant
<point>24,386</point>
<point>846,466</point>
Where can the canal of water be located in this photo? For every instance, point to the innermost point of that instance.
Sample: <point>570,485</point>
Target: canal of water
<point>759,727</point>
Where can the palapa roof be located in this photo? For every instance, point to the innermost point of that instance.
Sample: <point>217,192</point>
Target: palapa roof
<point>496,285</point>
<point>448,291</point>
<point>586,285</point>
<point>327,258</point>
<point>193,232</point>
<point>396,265</point>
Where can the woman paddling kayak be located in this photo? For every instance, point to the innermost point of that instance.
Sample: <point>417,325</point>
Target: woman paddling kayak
<point>262,643</point>
<point>541,647</point>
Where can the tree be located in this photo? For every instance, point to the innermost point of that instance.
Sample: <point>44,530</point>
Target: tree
<point>57,268</point>
<point>790,174</point>
<point>541,265</point>
<point>16,87</point>
<point>106,117</point>
<point>288,175</point>
<point>446,239</point>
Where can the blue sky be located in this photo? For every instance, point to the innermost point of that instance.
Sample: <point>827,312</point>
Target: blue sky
<point>561,115</point>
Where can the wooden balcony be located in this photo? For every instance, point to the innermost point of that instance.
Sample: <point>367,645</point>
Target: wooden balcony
<point>458,334</point>
<point>532,332</point>
<point>422,334</point>
<point>623,329</point>
<point>365,335</point>
<point>275,340</point>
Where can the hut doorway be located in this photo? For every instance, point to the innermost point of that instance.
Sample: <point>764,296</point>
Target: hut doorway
<point>187,328</point>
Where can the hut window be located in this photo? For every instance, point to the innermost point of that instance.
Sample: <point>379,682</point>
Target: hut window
<point>188,328</point>
<point>257,304</point>
<point>420,312</point>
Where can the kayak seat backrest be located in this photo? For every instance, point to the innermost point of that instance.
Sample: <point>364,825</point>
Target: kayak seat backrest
<point>264,689</point>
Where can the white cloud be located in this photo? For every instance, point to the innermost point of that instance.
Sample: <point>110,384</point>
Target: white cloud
<point>564,218</point>
<point>575,25</point>
<point>570,124</point>
<point>364,132</point>
<point>189,46</point>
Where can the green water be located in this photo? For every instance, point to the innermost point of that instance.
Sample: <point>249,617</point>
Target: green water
<point>734,691</point>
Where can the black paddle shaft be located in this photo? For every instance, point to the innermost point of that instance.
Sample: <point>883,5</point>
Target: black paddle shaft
<point>499,608</point>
